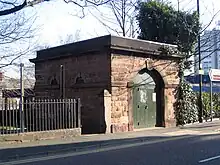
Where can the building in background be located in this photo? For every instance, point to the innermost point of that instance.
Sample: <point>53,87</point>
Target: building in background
<point>210,50</point>
<point>194,81</point>
<point>10,87</point>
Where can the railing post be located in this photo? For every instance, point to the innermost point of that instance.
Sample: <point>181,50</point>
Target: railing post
<point>79,112</point>
<point>66,113</point>
<point>57,113</point>
<point>17,115</point>
<point>46,114</point>
<point>43,105</point>
<point>13,116</point>
<point>74,113</point>
<point>27,114</point>
<point>9,116</point>
<point>39,115</point>
<point>3,116</point>
<point>52,112</point>
<point>6,118</point>
<point>63,113</point>
<point>37,102</point>
<point>33,114</point>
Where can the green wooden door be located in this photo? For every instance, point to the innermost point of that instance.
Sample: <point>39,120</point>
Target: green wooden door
<point>144,101</point>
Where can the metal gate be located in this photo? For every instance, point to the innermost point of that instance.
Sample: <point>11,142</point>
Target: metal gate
<point>144,101</point>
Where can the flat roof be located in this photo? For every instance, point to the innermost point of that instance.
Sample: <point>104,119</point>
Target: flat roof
<point>100,43</point>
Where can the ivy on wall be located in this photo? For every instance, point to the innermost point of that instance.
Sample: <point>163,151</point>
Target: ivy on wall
<point>186,109</point>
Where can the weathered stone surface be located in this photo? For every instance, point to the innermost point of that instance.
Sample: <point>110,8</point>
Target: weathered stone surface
<point>44,135</point>
<point>169,72</point>
<point>94,70</point>
<point>99,71</point>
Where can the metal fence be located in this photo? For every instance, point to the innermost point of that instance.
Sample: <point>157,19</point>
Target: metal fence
<point>39,115</point>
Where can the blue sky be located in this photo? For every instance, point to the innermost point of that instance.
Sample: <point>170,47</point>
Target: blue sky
<point>56,20</point>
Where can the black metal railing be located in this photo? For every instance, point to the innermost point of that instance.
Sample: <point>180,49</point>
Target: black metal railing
<point>39,115</point>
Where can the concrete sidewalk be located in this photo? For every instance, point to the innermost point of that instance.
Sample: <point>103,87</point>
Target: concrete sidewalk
<point>86,142</point>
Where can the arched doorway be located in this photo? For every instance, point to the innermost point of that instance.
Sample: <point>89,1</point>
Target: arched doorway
<point>148,99</point>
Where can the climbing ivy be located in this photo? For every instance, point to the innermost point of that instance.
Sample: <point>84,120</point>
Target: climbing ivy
<point>186,109</point>
<point>161,22</point>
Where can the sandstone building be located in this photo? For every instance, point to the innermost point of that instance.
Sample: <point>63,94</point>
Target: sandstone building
<point>124,84</point>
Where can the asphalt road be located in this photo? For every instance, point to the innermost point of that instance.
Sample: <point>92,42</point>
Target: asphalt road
<point>196,150</point>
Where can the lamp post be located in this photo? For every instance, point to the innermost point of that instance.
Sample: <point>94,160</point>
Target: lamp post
<point>21,103</point>
<point>200,113</point>
<point>22,96</point>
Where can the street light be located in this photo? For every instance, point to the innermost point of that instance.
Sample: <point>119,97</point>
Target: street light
<point>21,103</point>
<point>200,113</point>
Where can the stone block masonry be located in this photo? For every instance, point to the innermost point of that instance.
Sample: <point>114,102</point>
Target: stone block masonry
<point>99,71</point>
<point>124,68</point>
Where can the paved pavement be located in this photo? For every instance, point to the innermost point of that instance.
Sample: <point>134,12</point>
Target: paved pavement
<point>119,143</point>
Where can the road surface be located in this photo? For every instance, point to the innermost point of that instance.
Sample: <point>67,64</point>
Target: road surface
<point>196,150</point>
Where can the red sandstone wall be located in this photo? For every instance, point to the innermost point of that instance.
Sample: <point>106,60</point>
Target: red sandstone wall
<point>124,69</point>
<point>95,71</point>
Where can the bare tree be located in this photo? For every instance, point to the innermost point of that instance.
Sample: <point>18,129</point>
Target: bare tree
<point>29,75</point>
<point>122,17</point>
<point>82,4</point>
<point>29,69</point>
<point>70,38</point>
<point>16,30</point>
<point>8,7</point>
<point>86,3</point>
<point>16,27</point>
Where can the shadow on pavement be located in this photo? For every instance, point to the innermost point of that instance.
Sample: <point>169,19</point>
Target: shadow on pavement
<point>39,151</point>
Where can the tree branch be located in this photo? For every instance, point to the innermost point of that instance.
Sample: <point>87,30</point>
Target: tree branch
<point>14,9</point>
